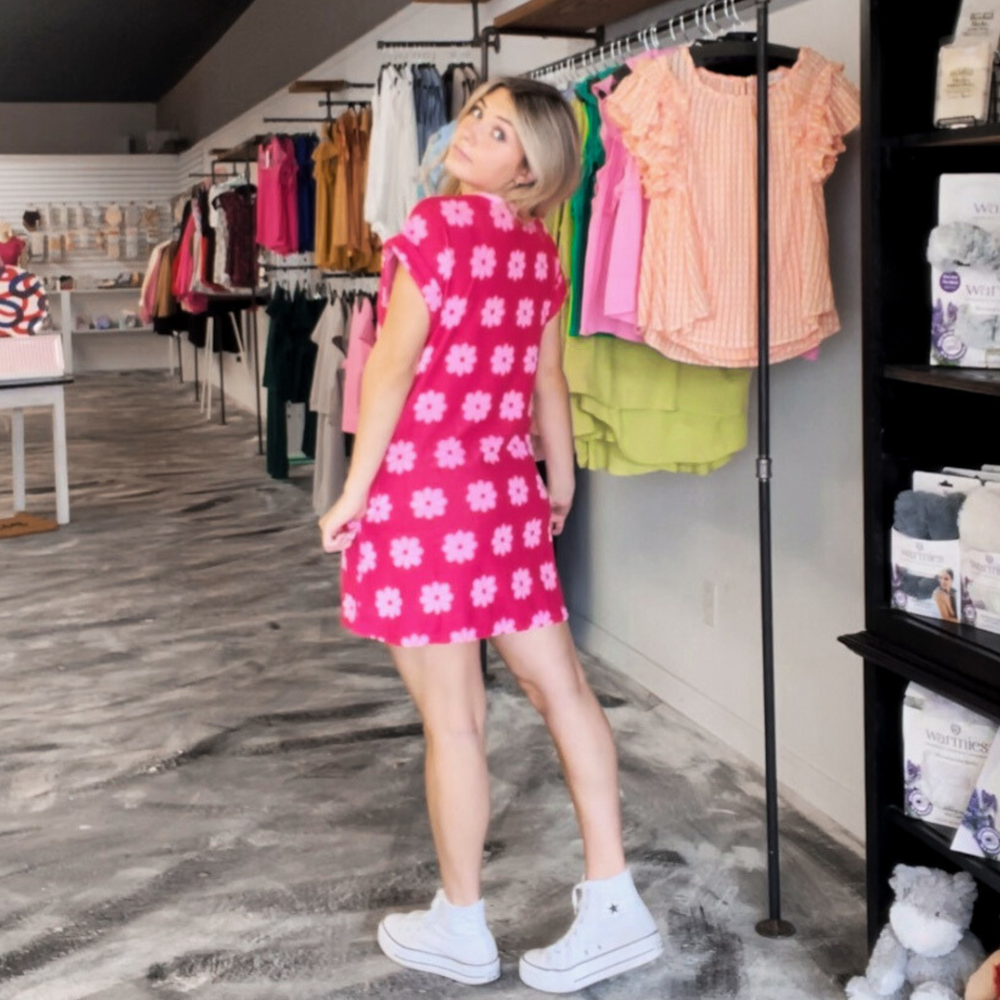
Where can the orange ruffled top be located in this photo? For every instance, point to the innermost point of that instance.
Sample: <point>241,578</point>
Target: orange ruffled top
<point>693,133</point>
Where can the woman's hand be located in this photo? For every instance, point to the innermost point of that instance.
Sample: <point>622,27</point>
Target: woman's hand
<point>560,500</point>
<point>339,525</point>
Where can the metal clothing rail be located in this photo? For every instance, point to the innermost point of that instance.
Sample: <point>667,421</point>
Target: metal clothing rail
<point>702,21</point>
<point>705,20</point>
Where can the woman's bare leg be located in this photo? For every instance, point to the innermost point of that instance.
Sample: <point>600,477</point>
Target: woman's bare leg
<point>446,683</point>
<point>545,663</point>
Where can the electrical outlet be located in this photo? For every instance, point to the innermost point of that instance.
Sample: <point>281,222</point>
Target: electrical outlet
<point>709,602</point>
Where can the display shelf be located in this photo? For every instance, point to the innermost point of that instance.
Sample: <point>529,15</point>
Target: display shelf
<point>116,329</point>
<point>560,16</point>
<point>911,647</point>
<point>985,381</point>
<point>939,840</point>
<point>977,135</point>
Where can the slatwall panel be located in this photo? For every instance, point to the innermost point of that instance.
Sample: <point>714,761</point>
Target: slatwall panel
<point>35,180</point>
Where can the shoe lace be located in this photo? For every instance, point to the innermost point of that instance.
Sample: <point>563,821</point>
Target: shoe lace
<point>568,941</point>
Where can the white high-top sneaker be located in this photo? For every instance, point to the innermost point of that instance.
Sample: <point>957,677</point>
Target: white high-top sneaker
<point>612,933</point>
<point>447,940</point>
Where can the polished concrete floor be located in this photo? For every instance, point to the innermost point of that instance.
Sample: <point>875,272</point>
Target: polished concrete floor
<point>208,790</point>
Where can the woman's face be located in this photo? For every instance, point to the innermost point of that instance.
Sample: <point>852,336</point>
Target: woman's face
<point>945,581</point>
<point>486,153</point>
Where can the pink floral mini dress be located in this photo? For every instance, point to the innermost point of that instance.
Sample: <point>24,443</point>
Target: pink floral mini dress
<point>455,543</point>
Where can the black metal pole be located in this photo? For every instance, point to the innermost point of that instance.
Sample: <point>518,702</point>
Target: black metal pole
<point>774,926</point>
<point>197,386</point>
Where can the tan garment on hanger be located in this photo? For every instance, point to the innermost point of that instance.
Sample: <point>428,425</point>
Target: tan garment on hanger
<point>325,162</point>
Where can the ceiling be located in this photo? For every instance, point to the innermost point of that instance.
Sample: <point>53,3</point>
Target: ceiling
<point>105,50</point>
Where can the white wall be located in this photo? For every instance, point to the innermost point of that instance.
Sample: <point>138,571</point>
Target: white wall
<point>41,127</point>
<point>638,552</point>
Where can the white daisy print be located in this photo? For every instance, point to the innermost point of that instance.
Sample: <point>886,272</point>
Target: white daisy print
<point>493,310</point>
<point>461,359</point>
<point>379,509</point>
<point>430,407</point>
<point>481,496</point>
<point>454,310</point>
<point>401,457</point>
<point>504,627</point>
<point>413,641</point>
<point>367,559</point>
<point>449,454</point>
<point>502,362</point>
<point>484,261</point>
<point>531,360</point>
<point>349,607</point>
<point>547,572</point>
<point>541,265</point>
<point>516,264</point>
<point>533,534</point>
<point>436,598</point>
<point>406,553</point>
<point>428,503</point>
<point>432,295</point>
<point>388,602</point>
<point>415,229</point>
<point>503,540</point>
<point>446,263</point>
<point>476,406</point>
<point>457,213</point>
<point>464,635</point>
<point>503,217</point>
<point>541,619</point>
<point>490,448</point>
<point>425,360</point>
<point>525,312</point>
<point>517,490</point>
<point>520,583</point>
<point>512,406</point>
<point>459,547</point>
<point>484,591</point>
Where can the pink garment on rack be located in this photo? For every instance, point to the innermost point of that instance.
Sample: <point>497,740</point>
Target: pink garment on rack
<point>614,239</point>
<point>360,341</point>
<point>10,251</point>
<point>190,301</point>
<point>277,196</point>
<point>147,296</point>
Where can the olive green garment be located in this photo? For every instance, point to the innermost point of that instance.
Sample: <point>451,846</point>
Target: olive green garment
<point>635,411</point>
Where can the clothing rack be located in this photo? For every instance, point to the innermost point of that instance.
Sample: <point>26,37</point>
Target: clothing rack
<point>325,87</point>
<point>704,19</point>
<point>483,40</point>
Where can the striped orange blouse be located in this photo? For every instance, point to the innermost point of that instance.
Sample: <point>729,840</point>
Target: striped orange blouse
<point>693,133</point>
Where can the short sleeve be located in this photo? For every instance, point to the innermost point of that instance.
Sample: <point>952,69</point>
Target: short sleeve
<point>423,248</point>
<point>649,108</point>
<point>559,286</point>
<point>834,110</point>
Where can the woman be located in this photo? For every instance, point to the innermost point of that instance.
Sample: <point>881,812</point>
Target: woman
<point>446,528</point>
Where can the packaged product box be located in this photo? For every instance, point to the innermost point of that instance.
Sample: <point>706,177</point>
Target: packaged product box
<point>945,747</point>
<point>981,588</point>
<point>925,575</point>
<point>965,324</point>
<point>977,833</point>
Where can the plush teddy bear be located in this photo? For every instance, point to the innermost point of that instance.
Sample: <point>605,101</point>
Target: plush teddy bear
<point>985,984</point>
<point>927,952</point>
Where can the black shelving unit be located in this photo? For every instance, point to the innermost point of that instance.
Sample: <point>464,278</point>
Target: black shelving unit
<point>916,416</point>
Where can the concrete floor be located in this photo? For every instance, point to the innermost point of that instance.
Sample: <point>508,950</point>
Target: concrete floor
<point>208,790</point>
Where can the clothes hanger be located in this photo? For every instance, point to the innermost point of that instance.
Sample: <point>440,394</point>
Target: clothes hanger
<point>735,53</point>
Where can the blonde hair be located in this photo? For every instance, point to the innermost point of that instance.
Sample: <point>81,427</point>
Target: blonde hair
<point>551,141</point>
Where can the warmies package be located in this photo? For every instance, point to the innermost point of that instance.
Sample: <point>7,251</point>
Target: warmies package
<point>945,746</point>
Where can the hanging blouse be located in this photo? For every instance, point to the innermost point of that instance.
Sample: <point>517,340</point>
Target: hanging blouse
<point>277,196</point>
<point>693,133</point>
<point>611,270</point>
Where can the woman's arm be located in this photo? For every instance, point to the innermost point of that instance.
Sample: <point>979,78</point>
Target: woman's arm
<point>387,379</point>
<point>555,424</point>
